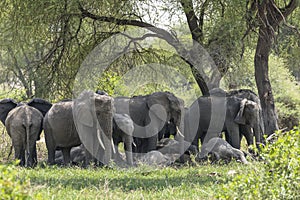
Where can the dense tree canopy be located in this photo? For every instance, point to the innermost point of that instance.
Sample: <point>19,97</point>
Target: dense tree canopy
<point>43,43</point>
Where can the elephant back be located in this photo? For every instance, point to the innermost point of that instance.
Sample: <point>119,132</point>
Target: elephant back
<point>24,117</point>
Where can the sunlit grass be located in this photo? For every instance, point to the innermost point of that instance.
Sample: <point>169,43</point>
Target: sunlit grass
<point>187,182</point>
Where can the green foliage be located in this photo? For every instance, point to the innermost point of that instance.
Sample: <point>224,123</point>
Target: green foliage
<point>11,185</point>
<point>108,82</point>
<point>16,94</point>
<point>277,178</point>
<point>286,93</point>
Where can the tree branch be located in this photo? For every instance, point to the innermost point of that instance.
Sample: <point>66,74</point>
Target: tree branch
<point>160,33</point>
<point>192,20</point>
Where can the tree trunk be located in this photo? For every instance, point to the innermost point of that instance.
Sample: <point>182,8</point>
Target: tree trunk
<point>262,80</point>
<point>270,17</point>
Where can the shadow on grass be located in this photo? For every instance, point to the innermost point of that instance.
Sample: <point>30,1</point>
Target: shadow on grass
<point>127,182</point>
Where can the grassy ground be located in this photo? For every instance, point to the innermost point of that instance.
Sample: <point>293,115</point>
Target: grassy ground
<point>144,182</point>
<point>187,182</point>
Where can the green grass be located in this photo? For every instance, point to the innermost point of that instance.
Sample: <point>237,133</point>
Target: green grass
<point>187,182</point>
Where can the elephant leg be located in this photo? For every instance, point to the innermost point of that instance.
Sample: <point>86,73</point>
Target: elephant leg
<point>18,144</point>
<point>151,144</point>
<point>128,150</point>
<point>20,154</point>
<point>50,144</point>
<point>88,158</point>
<point>34,155</point>
<point>51,156</point>
<point>32,159</point>
<point>233,135</point>
<point>66,155</point>
<point>247,132</point>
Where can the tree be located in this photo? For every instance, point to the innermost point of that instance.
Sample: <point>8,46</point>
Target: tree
<point>269,17</point>
<point>71,29</point>
<point>43,44</point>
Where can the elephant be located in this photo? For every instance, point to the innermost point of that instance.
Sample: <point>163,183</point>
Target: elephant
<point>219,149</point>
<point>245,129</point>
<point>238,111</point>
<point>156,158</point>
<point>122,132</point>
<point>87,120</point>
<point>171,146</point>
<point>77,156</point>
<point>150,114</point>
<point>23,122</point>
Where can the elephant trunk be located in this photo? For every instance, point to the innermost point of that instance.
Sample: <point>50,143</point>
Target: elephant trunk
<point>258,131</point>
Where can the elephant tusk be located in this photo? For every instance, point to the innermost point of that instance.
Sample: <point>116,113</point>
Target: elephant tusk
<point>99,139</point>
<point>179,132</point>
<point>134,144</point>
<point>113,146</point>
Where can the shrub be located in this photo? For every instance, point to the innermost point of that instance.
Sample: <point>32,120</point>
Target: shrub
<point>12,186</point>
<point>277,178</point>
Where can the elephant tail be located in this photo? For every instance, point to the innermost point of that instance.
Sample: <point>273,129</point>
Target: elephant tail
<point>27,142</point>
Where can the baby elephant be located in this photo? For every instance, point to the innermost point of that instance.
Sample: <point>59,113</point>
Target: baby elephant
<point>220,149</point>
<point>122,132</point>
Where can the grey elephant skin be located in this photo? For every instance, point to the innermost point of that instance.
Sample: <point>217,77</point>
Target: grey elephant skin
<point>150,114</point>
<point>245,129</point>
<point>239,111</point>
<point>122,132</point>
<point>23,123</point>
<point>87,120</point>
<point>219,149</point>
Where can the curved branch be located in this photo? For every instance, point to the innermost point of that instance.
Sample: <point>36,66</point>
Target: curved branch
<point>160,33</point>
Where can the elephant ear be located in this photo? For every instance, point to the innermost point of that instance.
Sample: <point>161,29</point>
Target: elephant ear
<point>175,103</point>
<point>158,103</point>
<point>240,119</point>
<point>84,109</point>
<point>42,105</point>
<point>84,114</point>
<point>6,105</point>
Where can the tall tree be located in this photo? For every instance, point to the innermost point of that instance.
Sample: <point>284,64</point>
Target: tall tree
<point>269,17</point>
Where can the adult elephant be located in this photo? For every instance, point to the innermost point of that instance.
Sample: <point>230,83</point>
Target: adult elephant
<point>245,129</point>
<point>87,120</point>
<point>211,122</point>
<point>23,123</point>
<point>150,114</point>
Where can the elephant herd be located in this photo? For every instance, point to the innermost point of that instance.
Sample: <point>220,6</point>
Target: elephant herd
<point>143,124</point>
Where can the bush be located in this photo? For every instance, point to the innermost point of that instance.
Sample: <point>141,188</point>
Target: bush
<point>12,186</point>
<point>277,178</point>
